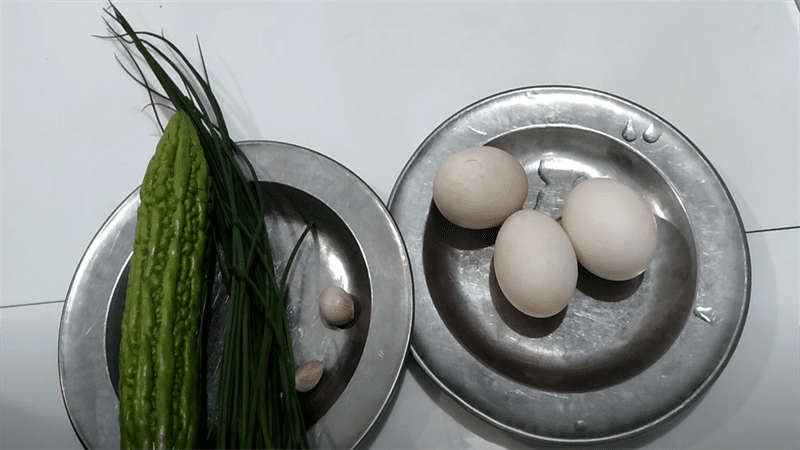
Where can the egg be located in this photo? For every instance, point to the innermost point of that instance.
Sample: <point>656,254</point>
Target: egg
<point>535,264</point>
<point>480,187</point>
<point>612,229</point>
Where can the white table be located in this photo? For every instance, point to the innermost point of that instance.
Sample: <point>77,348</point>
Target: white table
<point>364,83</point>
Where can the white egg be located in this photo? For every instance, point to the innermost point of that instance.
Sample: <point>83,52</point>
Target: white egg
<point>612,229</point>
<point>480,187</point>
<point>534,263</point>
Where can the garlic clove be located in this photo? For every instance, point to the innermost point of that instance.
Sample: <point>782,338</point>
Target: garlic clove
<point>336,306</point>
<point>308,375</point>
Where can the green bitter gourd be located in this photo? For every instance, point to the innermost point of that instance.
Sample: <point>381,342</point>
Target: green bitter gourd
<point>160,347</point>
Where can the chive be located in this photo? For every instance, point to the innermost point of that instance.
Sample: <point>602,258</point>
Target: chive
<point>257,404</point>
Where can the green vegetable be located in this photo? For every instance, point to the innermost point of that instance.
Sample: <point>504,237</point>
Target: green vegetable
<point>160,347</point>
<point>257,405</point>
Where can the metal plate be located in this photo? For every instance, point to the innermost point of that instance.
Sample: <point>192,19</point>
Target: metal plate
<point>623,357</point>
<point>356,245</point>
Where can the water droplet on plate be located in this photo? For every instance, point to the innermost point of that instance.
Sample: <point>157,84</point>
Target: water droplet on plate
<point>629,133</point>
<point>530,94</point>
<point>559,179</point>
<point>705,313</point>
<point>580,425</point>
<point>651,134</point>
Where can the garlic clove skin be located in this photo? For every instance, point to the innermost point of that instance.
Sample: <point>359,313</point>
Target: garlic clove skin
<point>336,306</point>
<point>308,375</point>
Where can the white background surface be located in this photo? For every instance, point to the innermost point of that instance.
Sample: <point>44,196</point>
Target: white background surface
<point>364,83</point>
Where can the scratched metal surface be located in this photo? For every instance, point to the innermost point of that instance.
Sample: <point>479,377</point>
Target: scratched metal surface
<point>355,246</point>
<point>622,357</point>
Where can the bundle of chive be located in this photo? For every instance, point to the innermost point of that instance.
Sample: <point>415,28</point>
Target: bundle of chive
<point>257,405</point>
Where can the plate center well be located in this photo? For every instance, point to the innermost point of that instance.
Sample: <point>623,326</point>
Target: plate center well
<point>611,331</point>
<point>329,255</point>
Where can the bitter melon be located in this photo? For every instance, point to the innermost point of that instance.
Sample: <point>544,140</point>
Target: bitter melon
<point>160,348</point>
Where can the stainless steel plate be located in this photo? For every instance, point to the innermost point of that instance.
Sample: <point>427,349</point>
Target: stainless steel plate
<point>356,245</point>
<point>623,357</point>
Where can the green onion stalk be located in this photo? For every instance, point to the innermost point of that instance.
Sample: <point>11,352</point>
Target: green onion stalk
<point>257,405</point>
